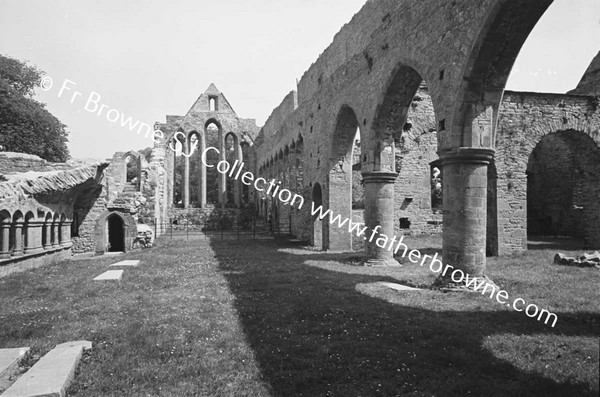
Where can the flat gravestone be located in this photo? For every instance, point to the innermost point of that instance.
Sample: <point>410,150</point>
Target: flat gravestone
<point>10,357</point>
<point>133,263</point>
<point>51,375</point>
<point>399,287</point>
<point>110,275</point>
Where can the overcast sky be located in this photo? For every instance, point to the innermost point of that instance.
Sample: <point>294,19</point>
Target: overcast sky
<point>147,59</point>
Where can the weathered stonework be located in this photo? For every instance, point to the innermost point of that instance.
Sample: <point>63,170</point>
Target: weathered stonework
<point>193,132</point>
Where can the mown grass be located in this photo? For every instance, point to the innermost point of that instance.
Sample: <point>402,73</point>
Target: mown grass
<point>264,317</point>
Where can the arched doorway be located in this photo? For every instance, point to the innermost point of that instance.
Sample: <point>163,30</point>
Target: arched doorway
<point>562,173</point>
<point>116,234</point>
<point>340,179</point>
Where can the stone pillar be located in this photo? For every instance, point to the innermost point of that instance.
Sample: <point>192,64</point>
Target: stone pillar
<point>222,176</point>
<point>464,178</point>
<point>237,183</point>
<point>55,235</point>
<point>379,217</point>
<point>186,174</point>
<point>5,237</point>
<point>202,192</point>
<point>65,234</point>
<point>18,230</point>
<point>34,237</point>
<point>48,232</point>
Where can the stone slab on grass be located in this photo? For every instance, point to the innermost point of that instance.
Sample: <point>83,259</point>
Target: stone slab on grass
<point>110,275</point>
<point>133,263</point>
<point>52,374</point>
<point>11,357</point>
<point>399,287</point>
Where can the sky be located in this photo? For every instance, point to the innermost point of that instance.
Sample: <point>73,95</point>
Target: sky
<point>150,58</point>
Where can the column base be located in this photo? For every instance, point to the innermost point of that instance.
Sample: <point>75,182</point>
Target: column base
<point>68,244</point>
<point>16,254</point>
<point>446,284</point>
<point>5,255</point>
<point>388,262</point>
<point>36,250</point>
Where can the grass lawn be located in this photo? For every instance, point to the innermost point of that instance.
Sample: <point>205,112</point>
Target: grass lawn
<point>264,317</point>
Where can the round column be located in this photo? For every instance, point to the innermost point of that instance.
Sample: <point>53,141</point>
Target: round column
<point>55,235</point>
<point>48,237</point>
<point>65,234</point>
<point>464,180</point>
<point>18,250</point>
<point>379,217</point>
<point>5,248</point>
<point>34,238</point>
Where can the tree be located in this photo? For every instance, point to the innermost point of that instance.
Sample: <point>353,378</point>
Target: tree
<point>25,124</point>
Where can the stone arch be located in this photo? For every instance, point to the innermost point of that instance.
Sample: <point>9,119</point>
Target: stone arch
<point>339,178</point>
<point>380,165</point>
<point>563,182</point>
<point>117,219</point>
<point>195,171</point>
<point>16,234</point>
<point>132,163</point>
<point>215,181</point>
<point>177,144</point>
<point>508,197</point>
<point>233,154</point>
<point>501,36</point>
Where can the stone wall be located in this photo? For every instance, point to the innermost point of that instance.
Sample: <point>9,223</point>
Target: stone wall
<point>14,163</point>
<point>525,120</point>
<point>415,151</point>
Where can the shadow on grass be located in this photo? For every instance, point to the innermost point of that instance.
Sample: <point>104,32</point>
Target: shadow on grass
<point>315,334</point>
<point>555,243</point>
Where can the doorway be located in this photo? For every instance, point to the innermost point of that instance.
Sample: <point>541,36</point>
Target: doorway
<point>116,234</point>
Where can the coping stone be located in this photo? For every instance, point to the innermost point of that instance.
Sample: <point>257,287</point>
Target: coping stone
<point>133,263</point>
<point>110,275</point>
<point>10,357</point>
<point>52,374</point>
<point>398,287</point>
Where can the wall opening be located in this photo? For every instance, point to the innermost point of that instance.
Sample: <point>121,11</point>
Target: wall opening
<point>436,189</point>
<point>212,133</point>
<point>116,234</point>
<point>132,169</point>
<point>213,104</point>
<point>563,180</point>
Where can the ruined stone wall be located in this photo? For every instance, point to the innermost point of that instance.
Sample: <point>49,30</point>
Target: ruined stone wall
<point>415,150</point>
<point>14,163</point>
<point>525,119</point>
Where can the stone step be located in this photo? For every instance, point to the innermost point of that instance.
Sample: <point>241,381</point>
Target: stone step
<point>110,275</point>
<point>11,357</point>
<point>52,374</point>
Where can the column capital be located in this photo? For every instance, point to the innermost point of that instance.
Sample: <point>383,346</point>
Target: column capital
<point>470,155</point>
<point>380,177</point>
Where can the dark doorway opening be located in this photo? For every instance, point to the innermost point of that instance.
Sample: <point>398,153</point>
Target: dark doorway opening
<point>116,234</point>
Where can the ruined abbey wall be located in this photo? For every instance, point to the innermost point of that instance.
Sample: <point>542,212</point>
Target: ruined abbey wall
<point>527,119</point>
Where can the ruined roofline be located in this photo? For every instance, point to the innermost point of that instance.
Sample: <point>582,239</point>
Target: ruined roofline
<point>549,94</point>
<point>209,92</point>
<point>33,183</point>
